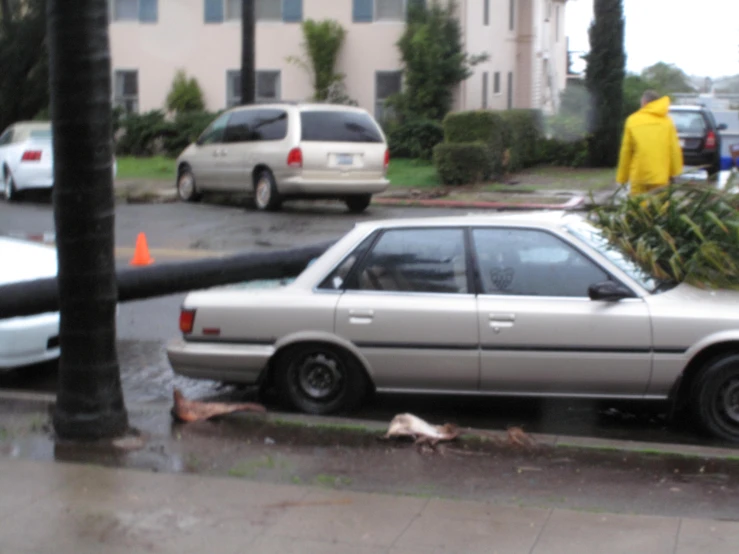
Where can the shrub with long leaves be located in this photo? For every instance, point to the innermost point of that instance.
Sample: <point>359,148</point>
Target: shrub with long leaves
<point>683,233</point>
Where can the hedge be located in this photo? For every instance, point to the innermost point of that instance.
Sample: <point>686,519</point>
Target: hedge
<point>462,163</point>
<point>414,139</point>
<point>563,153</point>
<point>525,128</point>
<point>151,133</point>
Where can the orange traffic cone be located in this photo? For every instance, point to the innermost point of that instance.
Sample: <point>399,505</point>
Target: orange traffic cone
<point>141,254</point>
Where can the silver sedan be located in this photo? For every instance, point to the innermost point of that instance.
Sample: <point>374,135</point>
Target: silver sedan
<point>508,305</point>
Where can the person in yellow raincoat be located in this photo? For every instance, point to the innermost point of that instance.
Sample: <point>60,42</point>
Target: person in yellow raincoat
<point>650,152</point>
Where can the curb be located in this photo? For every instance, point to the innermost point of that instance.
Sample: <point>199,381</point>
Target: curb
<point>562,442</point>
<point>572,204</point>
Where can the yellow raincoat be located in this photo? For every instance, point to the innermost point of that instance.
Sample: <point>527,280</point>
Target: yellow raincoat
<point>650,152</point>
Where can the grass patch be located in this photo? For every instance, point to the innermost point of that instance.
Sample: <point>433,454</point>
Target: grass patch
<point>510,189</point>
<point>406,173</point>
<point>334,481</point>
<point>349,427</point>
<point>156,168</point>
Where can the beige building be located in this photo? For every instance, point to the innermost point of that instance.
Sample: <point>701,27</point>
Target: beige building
<point>151,39</point>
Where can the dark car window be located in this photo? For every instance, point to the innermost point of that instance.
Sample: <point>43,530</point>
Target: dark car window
<point>257,125</point>
<point>338,276</point>
<point>337,126</point>
<point>689,122</point>
<point>6,137</point>
<point>524,262</point>
<point>415,260</point>
<point>215,131</point>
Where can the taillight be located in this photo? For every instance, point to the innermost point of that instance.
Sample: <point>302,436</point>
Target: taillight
<point>295,158</point>
<point>387,159</point>
<point>31,156</point>
<point>711,140</point>
<point>187,321</point>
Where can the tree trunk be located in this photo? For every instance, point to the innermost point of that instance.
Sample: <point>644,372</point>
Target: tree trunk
<point>6,14</point>
<point>90,399</point>
<point>248,52</point>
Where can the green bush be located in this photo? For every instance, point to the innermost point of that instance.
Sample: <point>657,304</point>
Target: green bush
<point>140,133</point>
<point>462,163</point>
<point>525,131</point>
<point>185,129</point>
<point>483,126</point>
<point>553,151</point>
<point>414,139</point>
<point>185,94</point>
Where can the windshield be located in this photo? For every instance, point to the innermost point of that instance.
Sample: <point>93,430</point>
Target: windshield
<point>595,238</point>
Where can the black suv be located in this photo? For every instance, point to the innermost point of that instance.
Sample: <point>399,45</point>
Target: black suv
<point>699,136</point>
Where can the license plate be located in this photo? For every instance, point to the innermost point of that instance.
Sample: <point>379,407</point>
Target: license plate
<point>344,159</point>
<point>682,143</point>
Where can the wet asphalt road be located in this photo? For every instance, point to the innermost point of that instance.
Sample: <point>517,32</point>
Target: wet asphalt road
<point>187,231</point>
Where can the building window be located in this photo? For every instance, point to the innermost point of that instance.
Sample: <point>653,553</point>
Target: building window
<point>267,86</point>
<point>126,90</point>
<point>233,88</point>
<point>511,15</point>
<point>510,90</point>
<point>556,23</point>
<point>486,12</point>
<point>144,11</point>
<point>496,82</point>
<point>289,11</point>
<point>485,90</point>
<point>367,11</point>
<point>387,84</point>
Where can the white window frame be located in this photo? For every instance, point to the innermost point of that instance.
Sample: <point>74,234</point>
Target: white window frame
<point>278,86</point>
<point>122,99</point>
<point>403,16</point>
<point>137,19</point>
<point>227,18</point>
<point>230,98</point>
<point>499,90</point>
<point>380,108</point>
<point>279,19</point>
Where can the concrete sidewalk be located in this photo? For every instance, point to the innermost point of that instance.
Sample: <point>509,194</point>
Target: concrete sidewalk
<point>61,508</point>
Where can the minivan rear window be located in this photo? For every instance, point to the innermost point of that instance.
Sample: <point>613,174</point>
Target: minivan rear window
<point>689,122</point>
<point>335,126</point>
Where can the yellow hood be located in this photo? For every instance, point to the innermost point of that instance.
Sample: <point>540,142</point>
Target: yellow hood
<point>660,107</point>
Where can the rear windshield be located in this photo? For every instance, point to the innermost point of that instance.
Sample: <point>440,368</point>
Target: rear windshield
<point>331,126</point>
<point>689,122</point>
<point>41,134</point>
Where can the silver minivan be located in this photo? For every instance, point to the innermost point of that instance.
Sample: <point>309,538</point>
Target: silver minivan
<point>283,151</point>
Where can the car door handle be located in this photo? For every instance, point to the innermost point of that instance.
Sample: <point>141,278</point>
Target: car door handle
<point>361,317</point>
<point>499,321</point>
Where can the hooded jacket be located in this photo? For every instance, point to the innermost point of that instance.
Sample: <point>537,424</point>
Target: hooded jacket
<point>650,152</point>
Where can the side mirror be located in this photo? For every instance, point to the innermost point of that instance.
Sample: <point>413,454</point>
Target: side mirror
<point>609,291</point>
<point>722,127</point>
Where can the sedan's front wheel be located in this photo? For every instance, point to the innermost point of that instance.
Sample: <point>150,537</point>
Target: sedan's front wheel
<point>320,379</point>
<point>715,397</point>
<point>11,193</point>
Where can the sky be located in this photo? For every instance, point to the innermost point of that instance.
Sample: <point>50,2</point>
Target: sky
<point>699,36</point>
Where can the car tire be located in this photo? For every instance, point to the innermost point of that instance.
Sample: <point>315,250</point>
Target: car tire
<point>266,196</point>
<point>320,379</point>
<point>358,203</point>
<point>186,189</point>
<point>10,191</point>
<point>715,397</point>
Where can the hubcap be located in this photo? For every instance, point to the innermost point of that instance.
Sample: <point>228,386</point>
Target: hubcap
<point>729,398</point>
<point>186,186</point>
<point>319,376</point>
<point>263,192</point>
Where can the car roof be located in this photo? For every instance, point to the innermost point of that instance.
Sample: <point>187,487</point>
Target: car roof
<point>301,106</point>
<point>688,108</point>
<point>543,219</point>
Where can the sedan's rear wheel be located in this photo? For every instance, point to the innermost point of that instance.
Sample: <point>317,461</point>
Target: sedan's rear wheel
<point>715,397</point>
<point>11,193</point>
<point>320,379</point>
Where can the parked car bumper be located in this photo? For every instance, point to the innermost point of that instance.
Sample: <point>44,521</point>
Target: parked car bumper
<point>237,363</point>
<point>28,176</point>
<point>307,187</point>
<point>28,340</point>
<point>700,158</point>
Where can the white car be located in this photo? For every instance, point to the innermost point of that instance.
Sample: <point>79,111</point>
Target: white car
<point>33,339</point>
<point>27,158</point>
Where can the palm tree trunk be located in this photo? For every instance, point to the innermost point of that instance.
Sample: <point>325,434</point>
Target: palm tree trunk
<point>248,52</point>
<point>90,399</point>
